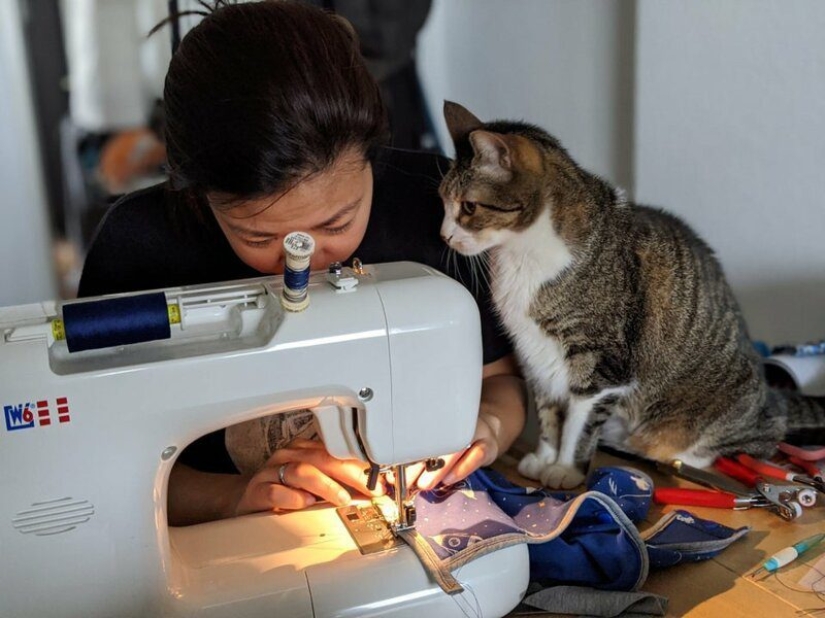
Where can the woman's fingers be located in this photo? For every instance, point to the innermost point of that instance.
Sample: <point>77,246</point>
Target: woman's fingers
<point>350,472</point>
<point>471,460</point>
<point>264,492</point>
<point>459,465</point>
<point>305,476</point>
<point>429,479</point>
<point>298,476</point>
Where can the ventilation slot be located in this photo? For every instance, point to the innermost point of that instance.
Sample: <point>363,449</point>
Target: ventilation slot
<point>53,516</point>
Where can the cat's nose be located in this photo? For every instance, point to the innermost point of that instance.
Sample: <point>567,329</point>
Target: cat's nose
<point>446,238</point>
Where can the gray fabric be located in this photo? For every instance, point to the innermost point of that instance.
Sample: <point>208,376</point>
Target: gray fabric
<point>251,443</point>
<point>596,603</point>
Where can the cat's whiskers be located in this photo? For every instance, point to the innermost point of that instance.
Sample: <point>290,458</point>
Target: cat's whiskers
<point>481,265</point>
<point>454,267</point>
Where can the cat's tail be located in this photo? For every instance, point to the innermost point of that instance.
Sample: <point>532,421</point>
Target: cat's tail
<point>805,417</point>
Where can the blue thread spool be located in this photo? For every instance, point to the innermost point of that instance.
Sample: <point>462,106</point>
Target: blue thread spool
<point>116,321</point>
<point>298,250</point>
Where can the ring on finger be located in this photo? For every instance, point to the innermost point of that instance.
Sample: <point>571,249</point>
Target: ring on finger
<point>282,473</point>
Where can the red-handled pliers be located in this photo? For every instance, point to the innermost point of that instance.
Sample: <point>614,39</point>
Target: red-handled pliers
<point>769,470</point>
<point>706,497</point>
<point>783,496</point>
<point>736,470</point>
<point>810,467</point>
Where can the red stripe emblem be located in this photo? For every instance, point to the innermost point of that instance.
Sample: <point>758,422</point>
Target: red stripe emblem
<point>63,410</point>
<point>43,413</point>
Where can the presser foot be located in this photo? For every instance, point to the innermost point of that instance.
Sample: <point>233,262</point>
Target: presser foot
<point>406,522</point>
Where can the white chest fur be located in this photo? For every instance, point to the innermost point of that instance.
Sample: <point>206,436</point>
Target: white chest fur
<point>519,269</point>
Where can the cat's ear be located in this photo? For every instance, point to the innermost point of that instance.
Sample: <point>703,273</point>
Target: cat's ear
<point>460,121</point>
<point>492,153</point>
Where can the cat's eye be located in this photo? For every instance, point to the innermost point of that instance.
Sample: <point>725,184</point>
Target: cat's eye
<point>468,208</point>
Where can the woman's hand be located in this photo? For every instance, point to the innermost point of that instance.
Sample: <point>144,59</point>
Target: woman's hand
<point>483,451</point>
<point>301,474</point>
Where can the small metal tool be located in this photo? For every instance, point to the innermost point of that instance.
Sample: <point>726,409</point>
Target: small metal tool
<point>782,497</point>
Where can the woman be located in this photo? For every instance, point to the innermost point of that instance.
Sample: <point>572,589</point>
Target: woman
<point>274,124</point>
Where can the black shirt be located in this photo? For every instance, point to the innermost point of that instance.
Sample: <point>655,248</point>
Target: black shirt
<point>154,239</point>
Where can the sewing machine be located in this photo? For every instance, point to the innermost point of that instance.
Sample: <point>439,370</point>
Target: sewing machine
<point>389,359</point>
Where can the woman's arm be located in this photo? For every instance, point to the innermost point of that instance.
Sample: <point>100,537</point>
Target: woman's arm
<point>196,497</point>
<point>503,404</point>
<point>293,478</point>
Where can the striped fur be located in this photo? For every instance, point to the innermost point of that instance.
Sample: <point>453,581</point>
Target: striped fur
<point>622,320</point>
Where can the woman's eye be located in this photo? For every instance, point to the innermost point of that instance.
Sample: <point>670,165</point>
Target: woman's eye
<point>340,229</point>
<point>258,243</point>
<point>468,208</point>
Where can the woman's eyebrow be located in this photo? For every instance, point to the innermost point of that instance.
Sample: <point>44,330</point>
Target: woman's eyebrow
<point>339,215</point>
<point>244,231</point>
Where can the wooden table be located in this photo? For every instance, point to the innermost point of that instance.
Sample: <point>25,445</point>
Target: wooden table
<point>720,587</point>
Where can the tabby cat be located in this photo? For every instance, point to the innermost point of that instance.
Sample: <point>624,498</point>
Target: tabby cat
<point>620,315</point>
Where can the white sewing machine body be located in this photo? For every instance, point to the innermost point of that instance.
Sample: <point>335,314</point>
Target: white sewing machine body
<point>90,438</point>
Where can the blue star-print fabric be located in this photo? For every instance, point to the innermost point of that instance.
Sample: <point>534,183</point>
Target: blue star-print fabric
<point>589,539</point>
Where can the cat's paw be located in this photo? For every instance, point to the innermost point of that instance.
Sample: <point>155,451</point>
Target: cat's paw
<point>558,476</point>
<point>531,466</point>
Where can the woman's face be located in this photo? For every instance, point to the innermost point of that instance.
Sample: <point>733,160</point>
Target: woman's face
<point>333,206</point>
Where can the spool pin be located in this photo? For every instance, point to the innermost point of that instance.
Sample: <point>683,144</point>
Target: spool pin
<point>298,250</point>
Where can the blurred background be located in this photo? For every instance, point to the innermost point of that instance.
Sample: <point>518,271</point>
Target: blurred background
<point>714,110</point>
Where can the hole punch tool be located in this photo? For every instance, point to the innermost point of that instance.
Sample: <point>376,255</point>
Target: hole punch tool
<point>779,501</point>
<point>770,470</point>
<point>786,494</point>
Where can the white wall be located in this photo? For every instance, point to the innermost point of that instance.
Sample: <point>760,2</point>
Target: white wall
<point>566,66</point>
<point>730,135</point>
<point>25,254</point>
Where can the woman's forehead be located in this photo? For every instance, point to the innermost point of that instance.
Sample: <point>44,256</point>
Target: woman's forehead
<point>317,196</point>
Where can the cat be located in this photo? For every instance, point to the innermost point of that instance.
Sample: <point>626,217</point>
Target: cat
<point>620,315</point>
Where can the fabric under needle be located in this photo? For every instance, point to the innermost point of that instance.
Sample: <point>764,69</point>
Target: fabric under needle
<point>789,554</point>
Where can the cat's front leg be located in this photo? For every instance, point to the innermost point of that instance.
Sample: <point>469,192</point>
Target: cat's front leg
<point>579,438</point>
<point>533,464</point>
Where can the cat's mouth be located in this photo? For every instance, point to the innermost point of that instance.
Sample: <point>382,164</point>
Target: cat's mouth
<point>464,247</point>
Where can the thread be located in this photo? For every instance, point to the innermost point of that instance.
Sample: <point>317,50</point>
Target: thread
<point>116,321</point>
<point>298,249</point>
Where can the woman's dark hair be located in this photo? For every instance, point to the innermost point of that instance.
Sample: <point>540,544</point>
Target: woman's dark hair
<point>259,95</point>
